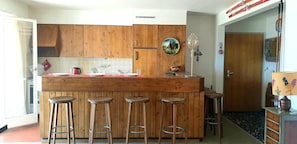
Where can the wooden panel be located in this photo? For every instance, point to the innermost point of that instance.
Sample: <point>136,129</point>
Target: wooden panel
<point>152,84</point>
<point>119,107</point>
<point>47,35</point>
<point>273,117</point>
<point>95,41</point>
<point>165,61</point>
<point>272,125</point>
<point>273,135</point>
<point>146,61</point>
<point>71,40</point>
<point>270,141</point>
<point>290,131</point>
<point>145,36</point>
<point>119,41</point>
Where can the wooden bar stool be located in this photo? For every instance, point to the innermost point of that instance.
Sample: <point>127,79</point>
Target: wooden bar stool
<point>132,100</point>
<point>211,119</point>
<point>173,129</point>
<point>54,118</point>
<point>100,100</point>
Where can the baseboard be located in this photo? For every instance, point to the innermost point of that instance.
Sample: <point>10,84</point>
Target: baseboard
<point>3,128</point>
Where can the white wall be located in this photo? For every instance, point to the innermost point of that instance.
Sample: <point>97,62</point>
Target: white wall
<point>289,48</point>
<point>203,25</point>
<point>261,23</point>
<point>109,17</point>
<point>14,7</point>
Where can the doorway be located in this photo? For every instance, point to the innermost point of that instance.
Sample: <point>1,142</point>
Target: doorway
<point>18,105</point>
<point>243,71</point>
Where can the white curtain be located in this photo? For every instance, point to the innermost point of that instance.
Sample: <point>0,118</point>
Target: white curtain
<point>14,73</point>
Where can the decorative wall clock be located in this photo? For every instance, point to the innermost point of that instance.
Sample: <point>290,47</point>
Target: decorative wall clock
<point>171,46</point>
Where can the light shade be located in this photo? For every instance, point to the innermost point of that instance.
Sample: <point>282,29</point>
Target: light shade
<point>284,83</point>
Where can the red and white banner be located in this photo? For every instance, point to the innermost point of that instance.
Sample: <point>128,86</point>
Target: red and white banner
<point>243,6</point>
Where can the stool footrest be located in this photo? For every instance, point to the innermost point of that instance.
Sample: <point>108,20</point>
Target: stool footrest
<point>181,129</point>
<point>137,132</point>
<point>62,132</point>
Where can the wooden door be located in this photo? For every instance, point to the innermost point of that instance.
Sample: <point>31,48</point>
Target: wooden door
<point>146,61</point>
<point>71,40</point>
<point>243,60</point>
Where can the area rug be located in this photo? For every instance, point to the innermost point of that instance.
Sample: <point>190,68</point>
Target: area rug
<point>252,122</point>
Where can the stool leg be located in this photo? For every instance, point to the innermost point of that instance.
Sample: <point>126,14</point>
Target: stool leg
<point>185,116</point>
<point>51,123</point>
<point>144,123</point>
<point>161,122</point>
<point>92,122</point>
<point>55,122</point>
<point>67,123</point>
<point>128,123</point>
<point>72,122</point>
<point>219,119</point>
<point>108,121</point>
<point>174,112</point>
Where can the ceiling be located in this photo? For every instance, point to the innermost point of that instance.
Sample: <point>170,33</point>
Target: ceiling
<point>202,6</point>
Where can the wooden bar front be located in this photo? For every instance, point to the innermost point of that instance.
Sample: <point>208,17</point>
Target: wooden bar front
<point>84,87</point>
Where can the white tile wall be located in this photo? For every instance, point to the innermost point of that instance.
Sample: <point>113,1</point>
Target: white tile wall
<point>103,65</point>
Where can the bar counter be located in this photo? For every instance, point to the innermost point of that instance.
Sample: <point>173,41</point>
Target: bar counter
<point>82,87</point>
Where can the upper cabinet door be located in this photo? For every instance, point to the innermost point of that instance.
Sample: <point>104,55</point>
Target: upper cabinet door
<point>119,41</point>
<point>47,35</point>
<point>95,44</point>
<point>145,36</point>
<point>71,40</point>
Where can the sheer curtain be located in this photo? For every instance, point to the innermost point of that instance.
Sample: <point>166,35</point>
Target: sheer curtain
<point>14,73</point>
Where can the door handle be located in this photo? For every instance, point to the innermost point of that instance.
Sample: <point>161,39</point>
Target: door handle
<point>229,73</point>
<point>136,55</point>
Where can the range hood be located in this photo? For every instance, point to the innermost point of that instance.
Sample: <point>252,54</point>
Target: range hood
<point>49,40</point>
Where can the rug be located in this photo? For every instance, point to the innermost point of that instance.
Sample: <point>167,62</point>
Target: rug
<point>252,122</point>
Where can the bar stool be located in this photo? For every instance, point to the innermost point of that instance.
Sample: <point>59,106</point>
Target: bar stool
<point>55,101</point>
<point>132,100</point>
<point>100,100</point>
<point>174,101</point>
<point>211,119</point>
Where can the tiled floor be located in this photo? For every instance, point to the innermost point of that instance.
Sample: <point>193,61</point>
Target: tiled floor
<point>232,135</point>
<point>28,133</point>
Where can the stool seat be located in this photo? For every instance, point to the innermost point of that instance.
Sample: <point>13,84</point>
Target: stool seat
<point>61,99</point>
<point>137,99</point>
<point>100,100</point>
<point>173,100</point>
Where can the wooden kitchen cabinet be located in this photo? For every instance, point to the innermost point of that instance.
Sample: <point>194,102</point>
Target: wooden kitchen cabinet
<point>119,41</point>
<point>145,36</point>
<point>47,35</point>
<point>95,41</point>
<point>280,127</point>
<point>107,41</point>
<point>71,40</point>
<point>146,61</point>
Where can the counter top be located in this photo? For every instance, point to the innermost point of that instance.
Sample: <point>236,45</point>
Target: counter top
<point>122,83</point>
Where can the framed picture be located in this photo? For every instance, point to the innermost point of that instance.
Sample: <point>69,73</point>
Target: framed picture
<point>270,49</point>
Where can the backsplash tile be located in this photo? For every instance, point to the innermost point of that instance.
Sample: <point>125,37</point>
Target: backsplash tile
<point>64,65</point>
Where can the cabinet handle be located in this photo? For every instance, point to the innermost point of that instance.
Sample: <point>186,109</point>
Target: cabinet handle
<point>136,55</point>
